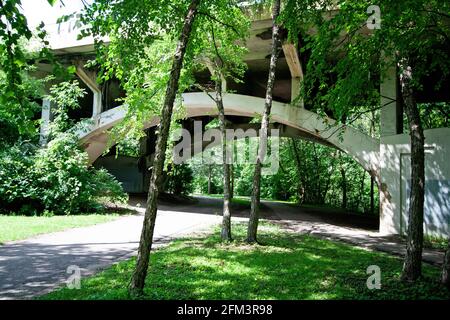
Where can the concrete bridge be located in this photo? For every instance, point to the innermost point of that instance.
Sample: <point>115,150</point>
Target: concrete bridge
<point>386,159</point>
<point>361,147</point>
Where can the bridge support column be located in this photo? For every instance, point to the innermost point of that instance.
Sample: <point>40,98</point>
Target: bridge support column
<point>90,79</point>
<point>391,119</point>
<point>295,67</point>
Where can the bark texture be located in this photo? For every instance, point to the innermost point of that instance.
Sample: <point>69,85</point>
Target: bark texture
<point>140,273</point>
<point>344,189</point>
<point>226,221</point>
<point>256,190</point>
<point>412,267</point>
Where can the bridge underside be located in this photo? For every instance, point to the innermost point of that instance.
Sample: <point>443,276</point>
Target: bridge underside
<point>387,158</point>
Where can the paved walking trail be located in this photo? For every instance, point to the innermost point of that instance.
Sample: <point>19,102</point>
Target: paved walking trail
<point>38,265</point>
<point>353,229</point>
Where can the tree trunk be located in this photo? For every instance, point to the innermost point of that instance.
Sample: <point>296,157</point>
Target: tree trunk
<point>412,267</point>
<point>301,181</point>
<point>361,191</point>
<point>445,278</point>
<point>372,195</point>
<point>209,179</point>
<point>256,192</point>
<point>317,191</point>
<point>226,221</point>
<point>232,180</point>
<point>372,179</point>
<point>344,189</point>
<point>140,273</point>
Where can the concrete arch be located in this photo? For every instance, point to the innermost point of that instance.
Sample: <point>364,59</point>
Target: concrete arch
<point>361,147</point>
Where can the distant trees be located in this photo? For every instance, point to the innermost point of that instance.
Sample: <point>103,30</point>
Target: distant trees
<point>315,180</point>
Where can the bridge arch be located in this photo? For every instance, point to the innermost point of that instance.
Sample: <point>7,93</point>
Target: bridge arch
<point>364,149</point>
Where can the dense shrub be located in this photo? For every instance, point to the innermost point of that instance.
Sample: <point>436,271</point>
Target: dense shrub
<point>179,179</point>
<point>54,179</point>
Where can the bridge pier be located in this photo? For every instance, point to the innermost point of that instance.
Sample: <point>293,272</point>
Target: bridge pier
<point>391,117</point>
<point>395,168</point>
<point>292,56</point>
<point>90,79</point>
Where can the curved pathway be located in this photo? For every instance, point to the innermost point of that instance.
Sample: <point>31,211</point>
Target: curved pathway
<point>38,265</point>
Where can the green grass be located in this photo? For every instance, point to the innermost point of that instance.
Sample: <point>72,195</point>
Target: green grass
<point>238,200</point>
<point>434,242</point>
<point>22,227</point>
<point>286,266</point>
<point>242,200</point>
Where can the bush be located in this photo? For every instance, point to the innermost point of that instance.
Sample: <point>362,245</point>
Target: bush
<point>55,179</point>
<point>179,179</point>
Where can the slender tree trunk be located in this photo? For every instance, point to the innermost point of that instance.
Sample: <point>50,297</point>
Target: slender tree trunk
<point>412,267</point>
<point>140,273</point>
<point>209,179</point>
<point>372,179</point>
<point>372,195</point>
<point>301,181</point>
<point>324,193</point>
<point>232,179</point>
<point>344,189</point>
<point>361,191</point>
<point>226,221</point>
<point>317,192</point>
<point>256,192</point>
<point>445,278</point>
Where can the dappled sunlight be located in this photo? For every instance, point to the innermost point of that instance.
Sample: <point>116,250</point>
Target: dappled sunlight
<point>286,266</point>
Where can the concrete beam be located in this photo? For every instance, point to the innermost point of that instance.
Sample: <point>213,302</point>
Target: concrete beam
<point>391,116</point>
<point>361,147</point>
<point>295,67</point>
<point>293,60</point>
<point>90,79</point>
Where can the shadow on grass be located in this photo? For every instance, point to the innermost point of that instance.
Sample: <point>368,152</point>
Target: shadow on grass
<point>287,267</point>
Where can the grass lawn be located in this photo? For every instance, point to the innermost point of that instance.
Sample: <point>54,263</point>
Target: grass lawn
<point>240,199</point>
<point>22,227</point>
<point>286,266</point>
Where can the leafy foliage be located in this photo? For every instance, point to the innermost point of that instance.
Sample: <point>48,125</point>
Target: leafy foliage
<point>309,174</point>
<point>55,179</point>
<point>179,179</point>
<point>349,86</point>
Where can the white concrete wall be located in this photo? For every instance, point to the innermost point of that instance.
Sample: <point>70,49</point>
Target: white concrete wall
<point>395,175</point>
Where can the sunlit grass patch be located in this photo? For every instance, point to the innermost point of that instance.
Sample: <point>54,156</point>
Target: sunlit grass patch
<point>284,266</point>
<point>21,227</point>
